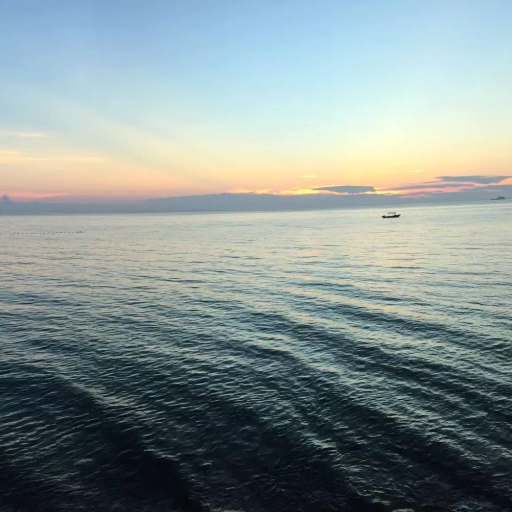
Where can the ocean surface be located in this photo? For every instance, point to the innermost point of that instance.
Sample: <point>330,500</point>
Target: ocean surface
<point>312,361</point>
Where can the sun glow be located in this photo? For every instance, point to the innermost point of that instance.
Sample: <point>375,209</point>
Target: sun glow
<point>298,192</point>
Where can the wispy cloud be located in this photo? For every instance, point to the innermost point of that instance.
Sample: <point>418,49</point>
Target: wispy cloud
<point>347,189</point>
<point>18,157</point>
<point>436,185</point>
<point>10,133</point>
<point>474,178</point>
<point>453,183</point>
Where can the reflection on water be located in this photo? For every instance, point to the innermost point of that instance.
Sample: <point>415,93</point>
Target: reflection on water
<point>260,362</point>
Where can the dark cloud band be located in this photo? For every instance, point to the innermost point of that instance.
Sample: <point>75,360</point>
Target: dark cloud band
<point>475,178</point>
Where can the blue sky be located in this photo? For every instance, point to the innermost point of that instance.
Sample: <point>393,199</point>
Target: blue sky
<point>170,98</point>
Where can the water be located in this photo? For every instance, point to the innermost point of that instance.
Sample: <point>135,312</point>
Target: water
<point>320,361</point>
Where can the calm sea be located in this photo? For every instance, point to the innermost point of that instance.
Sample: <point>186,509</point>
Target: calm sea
<point>319,361</point>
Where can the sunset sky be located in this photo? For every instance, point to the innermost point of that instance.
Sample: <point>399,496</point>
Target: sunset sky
<point>138,99</point>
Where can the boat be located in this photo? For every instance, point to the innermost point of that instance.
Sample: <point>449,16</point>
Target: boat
<point>499,198</point>
<point>391,215</point>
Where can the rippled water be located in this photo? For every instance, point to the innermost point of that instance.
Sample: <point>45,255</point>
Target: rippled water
<point>326,361</point>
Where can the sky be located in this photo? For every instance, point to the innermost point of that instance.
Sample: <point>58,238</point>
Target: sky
<point>125,99</point>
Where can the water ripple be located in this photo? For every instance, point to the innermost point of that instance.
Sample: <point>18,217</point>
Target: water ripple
<point>294,362</point>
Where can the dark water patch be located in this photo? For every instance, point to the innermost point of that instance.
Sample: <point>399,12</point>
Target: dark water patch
<point>112,454</point>
<point>22,489</point>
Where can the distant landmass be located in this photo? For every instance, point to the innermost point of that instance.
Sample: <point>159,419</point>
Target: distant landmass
<point>247,202</point>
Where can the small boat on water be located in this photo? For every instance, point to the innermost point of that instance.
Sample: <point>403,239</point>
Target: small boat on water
<point>499,198</point>
<point>391,215</point>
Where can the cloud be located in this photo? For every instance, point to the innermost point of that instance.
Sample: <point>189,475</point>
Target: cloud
<point>8,156</point>
<point>10,133</point>
<point>347,189</point>
<point>310,176</point>
<point>475,178</point>
<point>437,185</point>
<point>454,183</point>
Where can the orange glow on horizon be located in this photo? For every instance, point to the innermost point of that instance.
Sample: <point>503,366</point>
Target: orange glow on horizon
<point>299,192</point>
<point>31,196</point>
